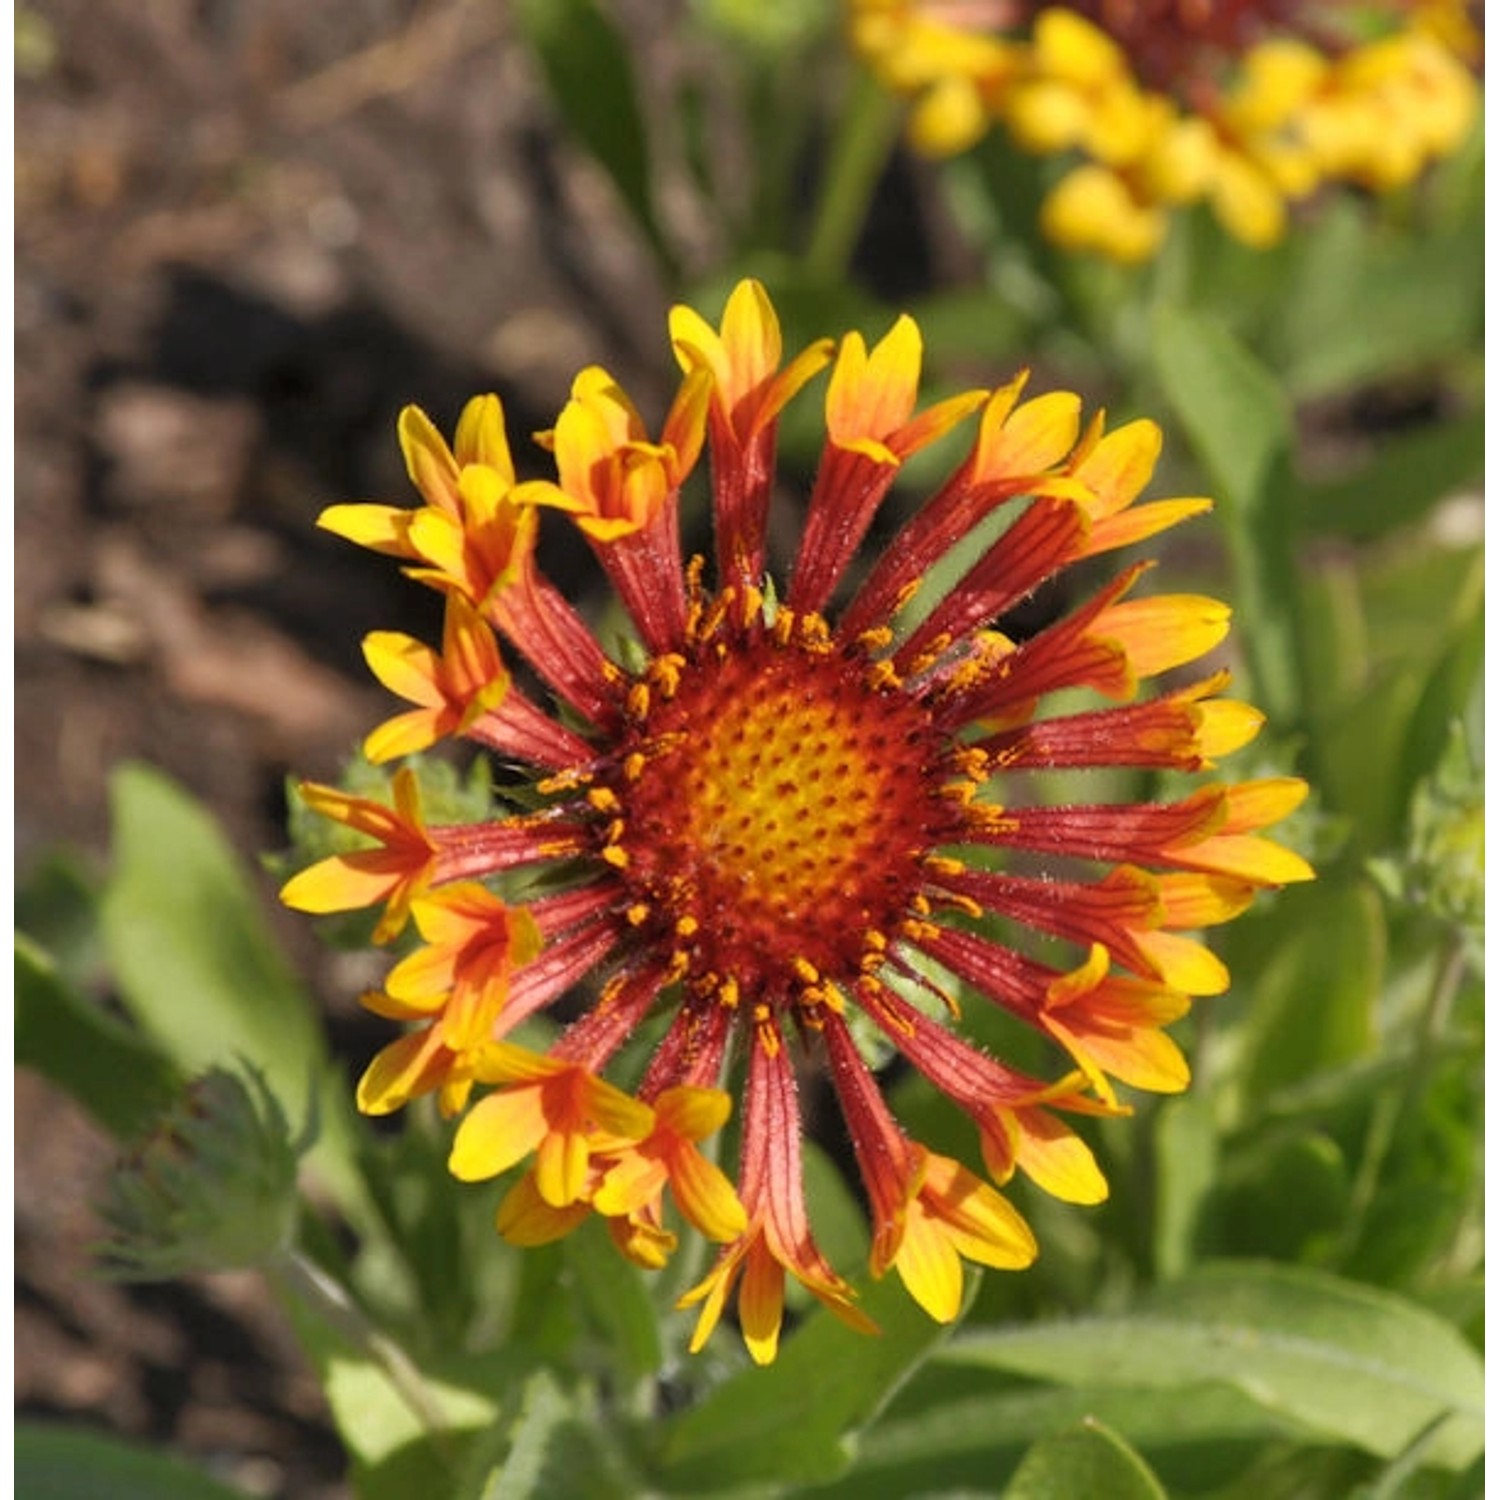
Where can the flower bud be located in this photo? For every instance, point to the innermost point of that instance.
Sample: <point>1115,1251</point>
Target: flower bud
<point>212,1187</point>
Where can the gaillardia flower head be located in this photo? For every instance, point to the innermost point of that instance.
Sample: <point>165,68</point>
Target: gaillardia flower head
<point>775,824</point>
<point>1245,104</point>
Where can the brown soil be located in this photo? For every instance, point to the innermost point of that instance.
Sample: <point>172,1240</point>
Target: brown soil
<point>246,236</point>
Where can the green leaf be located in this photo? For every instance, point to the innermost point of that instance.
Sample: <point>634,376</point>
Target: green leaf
<point>57,904</point>
<point>799,1419</point>
<point>190,946</point>
<point>64,1463</point>
<point>122,1079</point>
<point>1187,1154</point>
<point>1369,306</point>
<point>1361,1366</point>
<point>615,1293</point>
<point>1239,424</point>
<point>1454,680</point>
<point>407,1428</point>
<point>197,965</point>
<point>587,66</point>
<point>1280,1193</point>
<point>553,1449</point>
<point>1313,968</point>
<point>1087,1459</point>
<point>955,1440</point>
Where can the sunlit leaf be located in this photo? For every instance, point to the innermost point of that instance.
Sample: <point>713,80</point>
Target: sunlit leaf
<point>1362,1366</point>
<point>197,965</point>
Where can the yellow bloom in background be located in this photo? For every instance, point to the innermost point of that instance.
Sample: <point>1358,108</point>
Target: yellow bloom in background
<point>786,806</point>
<point>1151,104</point>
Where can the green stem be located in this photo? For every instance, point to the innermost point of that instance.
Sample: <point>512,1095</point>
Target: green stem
<point>1394,1107</point>
<point>302,1278</point>
<point>861,147</point>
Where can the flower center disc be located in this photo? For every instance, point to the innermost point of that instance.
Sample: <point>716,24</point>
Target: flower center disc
<point>781,814</point>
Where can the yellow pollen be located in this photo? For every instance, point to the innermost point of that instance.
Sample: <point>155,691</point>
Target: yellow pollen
<point>563,781</point>
<point>907,594</point>
<point>603,800</point>
<point>665,672</point>
<point>637,914</point>
<point>972,762</point>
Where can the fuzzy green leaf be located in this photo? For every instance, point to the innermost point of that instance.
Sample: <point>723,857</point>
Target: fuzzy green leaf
<point>1361,1366</point>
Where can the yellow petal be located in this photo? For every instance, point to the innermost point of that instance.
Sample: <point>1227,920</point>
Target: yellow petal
<point>422,975</point>
<point>1057,1159</point>
<point>562,1167</point>
<point>752,337</point>
<point>1193,900</point>
<point>496,1134</point>
<point>1246,857</point>
<point>404,665</point>
<point>871,394</point>
<point>930,1269</point>
<point>692,1113</point>
<point>343,882</point>
<point>394,1072</point>
<point>762,1299</point>
<point>406,734</point>
<point>428,459</point>
<point>526,1218</point>
<point>1166,630</point>
<point>1258,804</point>
<point>1120,464</point>
<point>383,528</point>
<point>1034,437</point>
<point>706,1197</point>
<point>1226,725</point>
<point>1184,964</point>
<point>481,438</point>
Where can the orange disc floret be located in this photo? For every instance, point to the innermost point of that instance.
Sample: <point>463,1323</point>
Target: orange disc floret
<point>780,811</point>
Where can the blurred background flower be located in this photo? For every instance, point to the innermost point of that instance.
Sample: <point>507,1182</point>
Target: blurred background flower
<point>1251,106</point>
